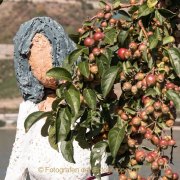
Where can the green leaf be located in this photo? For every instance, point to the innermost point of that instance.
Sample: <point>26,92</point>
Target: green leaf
<point>151,92</point>
<point>102,4</point>
<point>168,39</point>
<point>166,13</point>
<point>144,10</point>
<point>152,3</point>
<point>103,63</point>
<point>153,40</point>
<point>52,138</point>
<point>59,73</point>
<point>67,151</point>
<point>116,3</point>
<point>130,110</point>
<point>96,156</point>
<point>115,138</point>
<point>73,57</point>
<point>121,14</point>
<point>159,17</point>
<point>56,103</point>
<point>90,98</point>
<point>172,95</point>
<point>63,124</point>
<point>122,36</point>
<point>84,68</point>
<point>108,79</point>
<point>174,55</point>
<point>72,97</point>
<point>110,36</point>
<point>34,117</point>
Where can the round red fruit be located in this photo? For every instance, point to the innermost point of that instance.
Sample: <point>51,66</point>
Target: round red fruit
<point>163,144</point>
<point>98,36</point>
<point>171,142</point>
<point>96,51</point>
<point>170,85</point>
<point>121,52</point>
<point>150,79</point>
<point>155,140</point>
<point>149,158</point>
<point>133,46</point>
<point>88,42</point>
<point>140,156</point>
<point>168,173</point>
<point>136,121</point>
<point>175,176</point>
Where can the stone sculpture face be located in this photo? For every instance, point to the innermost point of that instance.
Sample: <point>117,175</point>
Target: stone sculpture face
<point>40,60</point>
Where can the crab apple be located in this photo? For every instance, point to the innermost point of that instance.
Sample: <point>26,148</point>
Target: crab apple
<point>91,57</point>
<point>155,166</point>
<point>142,129</point>
<point>168,173</point>
<point>98,36</point>
<point>139,76</point>
<point>133,46</point>
<point>122,177</point>
<point>107,15</point>
<point>140,155</point>
<point>163,144</point>
<point>171,142</point>
<point>169,122</point>
<point>112,21</point>
<point>170,85</point>
<point>134,129</point>
<point>94,69</point>
<point>161,161</point>
<point>131,143</point>
<point>127,54</point>
<point>175,176</point>
<point>88,42</point>
<point>148,135</point>
<point>124,116</point>
<point>143,115</point>
<point>157,105</point>
<point>100,15</point>
<point>160,78</point>
<point>121,53</point>
<point>144,83</point>
<point>139,84</point>
<point>137,54</point>
<point>166,159</point>
<point>142,47</point>
<point>104,24</point>
<point>155,140</point>
<point>132,2</point>
<point>81,31</point>
<point>107,8</point>
<point>133,175</point>
<point>136,121</point>
<point>134,89</point>
<point>149,158</point>
<point>127,86</point>
<point>150,79</point>
<point>165,109</point>
<point>149,109</point>
<point>133,162</point>
<point>96,51</point>
<point>146,100</point>
<point>122,76</point>
<point>154,154</point>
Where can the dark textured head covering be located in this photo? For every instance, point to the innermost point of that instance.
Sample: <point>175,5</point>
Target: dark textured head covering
<point>61,44</point>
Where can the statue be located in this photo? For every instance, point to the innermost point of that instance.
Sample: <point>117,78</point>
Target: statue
<point>41,44</point>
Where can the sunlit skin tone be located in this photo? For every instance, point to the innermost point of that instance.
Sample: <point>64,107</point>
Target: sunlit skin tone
<point>40,60</point>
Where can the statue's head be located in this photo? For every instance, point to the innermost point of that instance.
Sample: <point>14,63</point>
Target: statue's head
<point>39,45</point>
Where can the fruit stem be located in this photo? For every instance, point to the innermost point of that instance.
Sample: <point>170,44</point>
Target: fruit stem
<point>126,6</point>
<point>143,29</point>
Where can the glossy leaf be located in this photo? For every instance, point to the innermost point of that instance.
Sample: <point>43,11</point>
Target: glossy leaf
<point>153,40</point>
<point>168,39</point>
<point>63,124</point>
<point>172,95</point>
<point>84,68</point>
<point>52,138</point>
<point>115,138</point>
<point>72,97</point>
<point>166,13</point>
<point>144,10</point>
<point>96,156</point>
<point>110,36</point>
<point>90,98</point>
<point>59,73</point>
<point>174,55</point>
<point>122,36</point>
<point>152,3</point>
<point>103,63</point>
<point>108,79</point>
<point>73,57</point>
<point>33,118</point>
<point>67,151</point>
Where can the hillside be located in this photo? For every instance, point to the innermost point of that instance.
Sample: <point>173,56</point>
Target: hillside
<point>13,14</point>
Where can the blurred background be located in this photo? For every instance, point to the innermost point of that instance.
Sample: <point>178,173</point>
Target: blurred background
<point>70,14</point>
